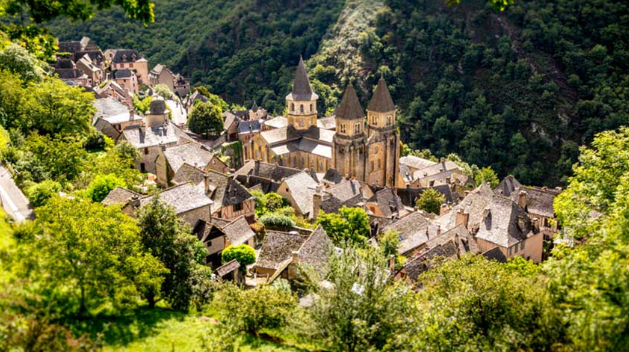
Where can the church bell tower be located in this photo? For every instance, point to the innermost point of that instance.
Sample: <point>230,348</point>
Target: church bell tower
<point>350,138</point>
<point>302,101</point>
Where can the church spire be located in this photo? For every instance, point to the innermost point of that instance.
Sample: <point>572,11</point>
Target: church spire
<point>350,108</point>
<point>381,100</point>
<point>301,85</point>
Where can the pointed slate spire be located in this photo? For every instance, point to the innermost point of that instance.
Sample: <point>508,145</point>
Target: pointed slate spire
<point>301,84</point>
<point>254,107</point>
<point>350,108</point>
<point>381,100</point>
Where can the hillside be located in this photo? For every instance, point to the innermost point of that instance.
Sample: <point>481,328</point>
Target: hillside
<point>518,90</point>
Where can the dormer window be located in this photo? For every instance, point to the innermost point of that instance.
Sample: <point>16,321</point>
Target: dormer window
<point>133,57</point>
<point>124,57</point>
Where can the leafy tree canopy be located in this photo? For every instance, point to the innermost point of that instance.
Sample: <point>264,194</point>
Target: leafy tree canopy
<point>431,200</point>
<point>206,119</point>
<point>243,253</point>
<point>349,225</point>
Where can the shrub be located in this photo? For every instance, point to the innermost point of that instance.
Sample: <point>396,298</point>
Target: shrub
<point>242,252</point>
<point>39,194</point>
<point>276,220</point>
<point>102,185</point>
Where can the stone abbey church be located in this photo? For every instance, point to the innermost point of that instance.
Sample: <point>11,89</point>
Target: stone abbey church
<point>366,148</point>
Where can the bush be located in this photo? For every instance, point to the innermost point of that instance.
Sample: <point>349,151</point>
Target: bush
<point>102,185</point>
<point>243,253</point>
<point>96,140</point>
<point>39,194</point>
<point>277,220</point>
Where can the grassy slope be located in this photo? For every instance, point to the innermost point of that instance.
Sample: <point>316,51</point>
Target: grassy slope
<point>160,330</point>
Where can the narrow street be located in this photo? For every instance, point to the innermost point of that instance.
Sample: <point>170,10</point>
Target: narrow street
<point>12,199</point>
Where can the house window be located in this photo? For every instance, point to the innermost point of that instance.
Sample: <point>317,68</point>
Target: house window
<point>218,214</point>
<point>238,207</point>
<point>311,109</point>
<point>131,65</point>
<point>142,167</point>
<point>371,165</point>
<point>146,151</point>
<point>522,245</point>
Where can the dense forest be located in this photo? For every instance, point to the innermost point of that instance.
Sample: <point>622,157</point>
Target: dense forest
<point>518,90</point>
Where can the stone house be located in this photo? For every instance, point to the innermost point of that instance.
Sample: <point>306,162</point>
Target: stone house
<point>153,136</point>
<point>247,130</point>
<point>111,89</point>
<point>93,72</point>
<point>284,254</point>
<point>127,80</point>
<point>112,117</point>
<point>177,84</point>
<point>385,203</point>
<point>131,60</point>
<point>299,190</point>
<point>264,176</point>
<point>172,159</point>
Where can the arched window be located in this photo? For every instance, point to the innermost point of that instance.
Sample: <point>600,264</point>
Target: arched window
<point>292,107</point>
<point>389,120</point>
<point>357,127</point>
<point>311,109</point>
<point>343,128</point>
<point>374,120</point>
<point>379,164</point>
<point>301,108</point>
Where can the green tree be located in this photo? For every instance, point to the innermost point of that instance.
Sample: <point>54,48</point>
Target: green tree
<point>388,243</point>
<point>243,253</point>
<point>206,119</point>
<point>483,305</point>
<point>486,174</point>
<point>277,220</point>
<point>102,185</point>
<point>19,61</point>
<point>39,194</point>
<point>363,310</point>
<point>169,240</point>
<point>88,255</point>
<point>57,108</point>
<point>349,225</point>
<point>163,91</point>
<point>274,201</point>
<point>430,200</point>
<point>267,306</point>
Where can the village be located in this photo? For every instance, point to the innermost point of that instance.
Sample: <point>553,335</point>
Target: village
<point>317,165</point>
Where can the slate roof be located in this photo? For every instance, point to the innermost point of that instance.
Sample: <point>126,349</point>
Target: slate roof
<point>539,201</point>
<point>416,162</point>
<point>266,170</point>
<point>226,190</point>
<point>118,195</point>
<point>276,122</point>
<point>327,123</point>
<point>157,70</point>
<point>495,254</point>
<point>389,203</point>
<point>419,263</point>
<point>147,137</point>
<point>333,176</point>
<point>123,73</point>
<point>120,53</point>
<point>500,223</point>
<point>192,153</point>
<point>279,247</point>
<point>315,250</point>
<point>183,198</point>
<point>230,118</point>
<point>94,55</point>
<point>227,268</point>
<point>249,126</point>
<point>108,107</point>
<point>69,46</point>
<point>508,185</point>
<point>301,85</point>
<point>302,187</point>
<point>106,128</point>
<point>474,204</point>
<point>238,231</point>
<point>412,230</point>
<point>347,194</point>
<point>381,100</point>
<point>350,108</point>
<point>435,169</point>
<point>189,173</point>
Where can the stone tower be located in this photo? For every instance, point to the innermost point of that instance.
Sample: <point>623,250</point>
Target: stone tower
<point>350,139</point>
<point>302,101</point>
<point>383,145</point>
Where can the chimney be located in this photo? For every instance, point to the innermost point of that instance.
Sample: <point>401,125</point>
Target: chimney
<point>443,209</point>
<point>206,182</point>
<point>317,199</point>
<point>135,201</point>
<point>442,160</point>
<point>522,199</point>
<point>462,217</point>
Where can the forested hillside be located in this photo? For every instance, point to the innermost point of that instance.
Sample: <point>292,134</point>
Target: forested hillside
<point>518,90</point>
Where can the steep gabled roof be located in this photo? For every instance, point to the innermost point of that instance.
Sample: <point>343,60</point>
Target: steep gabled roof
<point>278,247</point>
<point>381,100</point>
<point>238,231</point>
<point>301,85</point>
<point>192,153</point>
<point>350,108</point>
<point>119,195</point>
<point>183,198</point>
